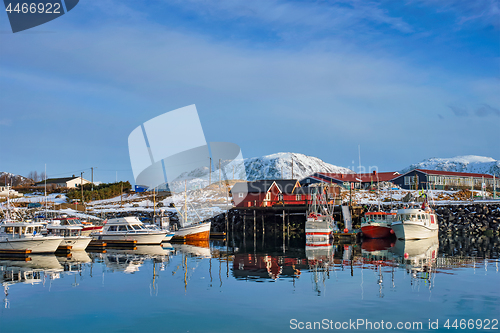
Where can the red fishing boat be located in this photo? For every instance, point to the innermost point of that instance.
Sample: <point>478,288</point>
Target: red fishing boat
<point>377,224</point>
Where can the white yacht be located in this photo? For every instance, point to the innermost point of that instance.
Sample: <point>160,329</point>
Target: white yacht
<point>22,236</point>
<point>72,236</point>
<point>129,228</point>
<point>415,223</point>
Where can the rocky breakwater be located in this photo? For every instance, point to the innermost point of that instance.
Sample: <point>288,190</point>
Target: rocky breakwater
<point>473,219</point>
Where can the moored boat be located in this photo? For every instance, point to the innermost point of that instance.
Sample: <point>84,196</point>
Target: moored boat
<point>415,223</point>
<point>377,224</point>
<point>27,236</point>
<point>87,227</point>
<point>193,232</point>
<point>319,223</point>
<point>129,228</point>
<point>71,234</point>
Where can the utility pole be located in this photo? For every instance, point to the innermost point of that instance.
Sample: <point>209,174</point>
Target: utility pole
<point>292,167</point>
<point>494,187</point>
<point>92,179</point>
<point>219,174</point>
<point>210,173</point>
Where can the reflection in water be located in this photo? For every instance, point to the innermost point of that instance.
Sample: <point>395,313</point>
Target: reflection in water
<point>388,262</point>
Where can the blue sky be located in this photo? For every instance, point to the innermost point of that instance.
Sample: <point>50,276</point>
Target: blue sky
<point>404,80</point>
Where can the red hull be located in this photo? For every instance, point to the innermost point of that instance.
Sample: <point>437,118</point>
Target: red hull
<point>372,231</point>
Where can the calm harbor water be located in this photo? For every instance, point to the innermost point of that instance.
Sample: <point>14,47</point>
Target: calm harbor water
<point>256,286</point>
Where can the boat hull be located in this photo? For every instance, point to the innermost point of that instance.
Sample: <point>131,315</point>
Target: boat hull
<point>376,231</point>
<point>77,243</point>
<point>409,230</point>
<point>34,244</point>
<point>141,239</point>
<point>194,232</point>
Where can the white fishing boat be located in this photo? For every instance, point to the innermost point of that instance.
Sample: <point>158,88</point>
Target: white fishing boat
<point>319,224</point>
<point>415,223</point>
<point>22,236</point>
<point>72,236</point>
<point>129,228</point>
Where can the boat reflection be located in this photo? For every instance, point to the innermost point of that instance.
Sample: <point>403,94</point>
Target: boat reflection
<point>199,248</point>
<point>130,260</point>
<point>32,270</point>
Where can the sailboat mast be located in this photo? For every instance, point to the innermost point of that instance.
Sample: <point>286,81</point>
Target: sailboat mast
<point>185,201</point>
<point>45,189</point>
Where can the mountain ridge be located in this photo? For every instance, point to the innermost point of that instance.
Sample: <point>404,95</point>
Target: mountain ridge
<point>465,163</point>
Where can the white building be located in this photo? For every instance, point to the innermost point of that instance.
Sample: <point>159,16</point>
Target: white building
<point>67,182</point>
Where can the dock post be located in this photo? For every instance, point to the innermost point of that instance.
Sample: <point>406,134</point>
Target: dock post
<point>283,231</point>
<point>254,225</point>
<point>244,225</point>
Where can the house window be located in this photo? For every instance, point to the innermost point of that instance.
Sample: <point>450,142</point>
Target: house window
<point>240,195</point>
<point>268,196</point>
<point>298,197</point>
<point>408,180</point>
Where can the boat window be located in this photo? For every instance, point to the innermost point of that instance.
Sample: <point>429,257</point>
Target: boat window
<point>136,227</point>
<point>122,228</point>
<point>129,227</point>
<point>8,230</point>
<point>30,230</point>
<point>419,217</point>
<point>112,228</point>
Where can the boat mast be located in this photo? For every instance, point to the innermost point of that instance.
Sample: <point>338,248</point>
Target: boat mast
<point>185,202</point>
<point>45,190</point>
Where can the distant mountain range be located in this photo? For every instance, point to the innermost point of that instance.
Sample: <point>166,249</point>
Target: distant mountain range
<point>12,179</point>
<point>468,163</point>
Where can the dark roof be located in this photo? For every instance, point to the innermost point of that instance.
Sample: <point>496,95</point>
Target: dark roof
<point>57,180</point>
<point>449,173</point>
<point>453,173</point>
<point>364,177</point>
<point>262,186</point>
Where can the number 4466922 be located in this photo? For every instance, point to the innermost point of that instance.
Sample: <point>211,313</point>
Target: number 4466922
<point>471,324</point>
<point>40,8</point>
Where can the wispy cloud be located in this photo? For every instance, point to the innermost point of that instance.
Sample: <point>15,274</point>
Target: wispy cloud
<point>324,16</point>
<point>5,122</point>
<point>458,111</point>
<point>486,110</point>
<point>481,12</point>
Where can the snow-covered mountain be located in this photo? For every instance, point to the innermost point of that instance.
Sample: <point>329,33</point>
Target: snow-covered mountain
<point>12,179</point>
<point>468,163</point>
<point>279,165</point>
<point>275,166</point>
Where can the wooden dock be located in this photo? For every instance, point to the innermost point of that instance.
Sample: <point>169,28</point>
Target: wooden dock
<point>217,235</point>
<point>121,243</point>
<point>6,254</point>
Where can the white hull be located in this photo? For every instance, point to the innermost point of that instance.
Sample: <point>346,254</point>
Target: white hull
<point>168,237</point>
<point>413,230</point>
<point>193,231</point>
<point>36,244</point>
<point>77,243</point>
<point>142,239</point>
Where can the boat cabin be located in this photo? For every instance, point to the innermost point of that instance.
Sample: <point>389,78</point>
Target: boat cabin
<point>378,216</point>
<point>65,231</point>
<point>129,224</point>
<point>18,229</point>
<point>416,215</point>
